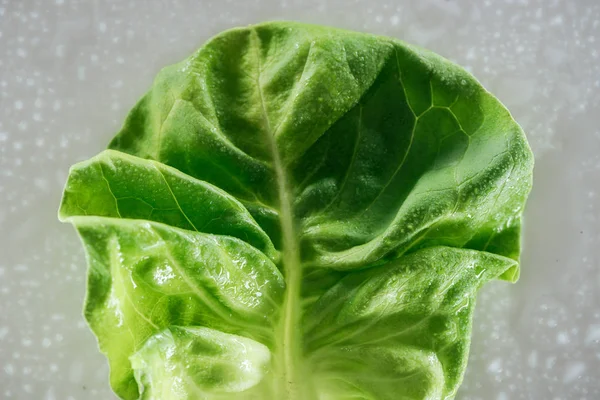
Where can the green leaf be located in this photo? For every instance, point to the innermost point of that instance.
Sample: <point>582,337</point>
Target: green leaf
<point>146,276</point>
<point>128,187</point>
<point>200,363</point>
<point>328,201</point>
<point>402,330</point>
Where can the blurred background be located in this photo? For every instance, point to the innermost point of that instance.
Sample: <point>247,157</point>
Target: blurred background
<point>71,70</point>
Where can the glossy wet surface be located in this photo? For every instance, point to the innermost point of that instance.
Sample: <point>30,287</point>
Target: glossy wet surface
<point>70,71</point>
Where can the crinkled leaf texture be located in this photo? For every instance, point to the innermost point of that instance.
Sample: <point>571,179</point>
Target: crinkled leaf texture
<point>299,212</point>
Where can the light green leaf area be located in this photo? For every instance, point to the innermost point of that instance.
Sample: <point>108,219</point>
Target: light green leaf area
<point>399,331</point>
<point>299,212</point>
<point>200,363</point>
<point>146,276</point>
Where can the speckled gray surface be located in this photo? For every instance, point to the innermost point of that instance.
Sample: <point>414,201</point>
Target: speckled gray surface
<point>70,70</point>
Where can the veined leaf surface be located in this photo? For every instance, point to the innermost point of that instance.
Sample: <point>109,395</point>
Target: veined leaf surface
<point>299,212</point>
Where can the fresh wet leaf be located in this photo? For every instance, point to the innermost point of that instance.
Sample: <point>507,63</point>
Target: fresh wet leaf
<point>200,363</point>
<point>401,330</point>
<point>299,212</point>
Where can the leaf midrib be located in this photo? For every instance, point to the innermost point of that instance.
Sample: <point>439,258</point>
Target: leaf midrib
<point>287,339</point>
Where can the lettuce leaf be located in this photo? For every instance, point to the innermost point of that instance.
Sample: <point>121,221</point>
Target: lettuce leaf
<point>299,212</point>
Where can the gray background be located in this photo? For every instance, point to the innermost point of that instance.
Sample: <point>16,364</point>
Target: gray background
<point>70,71</point>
